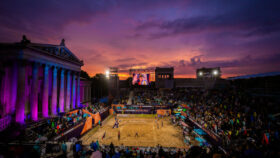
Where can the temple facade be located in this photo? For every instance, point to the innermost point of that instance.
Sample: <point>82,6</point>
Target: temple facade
<point>39,80</point>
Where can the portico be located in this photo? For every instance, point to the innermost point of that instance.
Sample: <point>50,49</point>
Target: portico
<point>38,80</point>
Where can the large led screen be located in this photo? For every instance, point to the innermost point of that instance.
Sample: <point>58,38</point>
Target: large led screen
<point>141,79</point>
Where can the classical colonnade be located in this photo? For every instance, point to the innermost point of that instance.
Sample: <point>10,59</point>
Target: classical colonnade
<point>30,87</point>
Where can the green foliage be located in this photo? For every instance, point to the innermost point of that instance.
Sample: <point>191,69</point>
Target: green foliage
<point>99,86</point>
<point>85,75</point>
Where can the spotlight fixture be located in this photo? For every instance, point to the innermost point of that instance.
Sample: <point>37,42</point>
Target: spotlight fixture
<point>215,72</point>
<point>107,73</point>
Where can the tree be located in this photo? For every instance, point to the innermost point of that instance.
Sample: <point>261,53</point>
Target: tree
<point>129,81</point>
<point>99,86</point>
<point>85,75</point>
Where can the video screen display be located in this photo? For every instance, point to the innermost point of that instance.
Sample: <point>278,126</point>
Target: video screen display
<point>141,79</point>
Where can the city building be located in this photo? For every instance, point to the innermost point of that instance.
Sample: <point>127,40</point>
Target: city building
<point>164,77</point>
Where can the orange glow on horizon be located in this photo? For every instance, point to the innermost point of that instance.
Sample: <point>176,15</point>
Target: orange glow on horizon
<point>125,75</point>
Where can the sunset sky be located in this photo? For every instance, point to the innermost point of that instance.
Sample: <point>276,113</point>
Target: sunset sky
<point>240,36</point>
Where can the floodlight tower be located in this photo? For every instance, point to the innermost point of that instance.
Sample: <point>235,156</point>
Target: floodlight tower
<point>208,73</point>
<point>113,80</point>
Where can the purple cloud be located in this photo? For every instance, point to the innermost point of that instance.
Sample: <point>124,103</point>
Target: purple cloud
<point>248,19</point>
<point>240,36</point>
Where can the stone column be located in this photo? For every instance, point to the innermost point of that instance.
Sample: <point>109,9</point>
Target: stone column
<point>82,94</point>
<point>68,92</point>
<point>34,92</point>
<point>14,87</point>
<point>78,91</point>
<point>45,95</point>
<point>73,91</point>
<point>54,92</point>
<point>7,89</point>
<point>89,93</point>
<point>2,86</point>
<point>84,98</point>
<point>21,96</point>
<point>85,93</point>
<point>61,92</point>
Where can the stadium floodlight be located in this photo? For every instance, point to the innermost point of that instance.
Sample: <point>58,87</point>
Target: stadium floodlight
<point>107,73</point>
<point>215,72</point>
<point>200,73</point>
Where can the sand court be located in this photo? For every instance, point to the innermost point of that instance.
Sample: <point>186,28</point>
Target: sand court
<point>148,128</point>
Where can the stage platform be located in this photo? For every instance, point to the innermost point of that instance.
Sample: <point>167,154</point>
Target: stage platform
<point>150,130</point>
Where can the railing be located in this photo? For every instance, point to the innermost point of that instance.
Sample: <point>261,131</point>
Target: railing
<point>5,122</point>
<point>72,132</point>
<point>209,132</point>
<point>217,139</point>
<point>139,111</point>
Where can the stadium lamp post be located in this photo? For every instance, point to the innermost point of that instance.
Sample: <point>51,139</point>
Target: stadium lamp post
<point>215,74</point>
<point>107,74</point>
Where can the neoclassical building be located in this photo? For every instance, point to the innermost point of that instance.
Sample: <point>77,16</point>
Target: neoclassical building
<point>39,80</point>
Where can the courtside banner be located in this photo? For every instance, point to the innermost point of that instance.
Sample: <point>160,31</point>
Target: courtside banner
<point>96,116</point>
<point>88,125</point>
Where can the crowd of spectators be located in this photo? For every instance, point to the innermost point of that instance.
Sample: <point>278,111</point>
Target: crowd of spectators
<point>155,97</point>
<point>121,100</point>
<point>241,121</point>
<point>52,127</point>
<point>143,152</point>
<point>96,107</point>
<point>95,150</point>
<point>57,125</point>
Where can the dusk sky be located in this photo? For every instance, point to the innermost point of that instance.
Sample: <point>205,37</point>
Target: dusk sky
<point>240,36</point>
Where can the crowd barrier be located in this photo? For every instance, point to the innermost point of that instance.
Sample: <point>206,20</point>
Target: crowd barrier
<point>185,106</point>
<point>96,116</point>
<point>121,106</point>
<point>184,124</point>
<point>87,125</point>
<point>148,107</point>
<point>184,114</point>
<point>214,137</point>
<point>104,114</point>
<point>132,111</point>
<point>164,112</point>
<point>73,132</point>
<point>111,111</point>
<point>72,112</point>
<point>139,109</point>
<point>161,107</point>
<point>80,129</point>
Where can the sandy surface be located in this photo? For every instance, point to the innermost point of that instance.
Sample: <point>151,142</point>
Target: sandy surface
<point>146,127</point>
